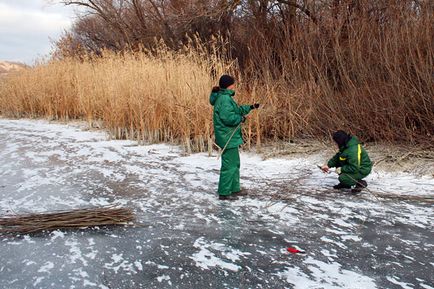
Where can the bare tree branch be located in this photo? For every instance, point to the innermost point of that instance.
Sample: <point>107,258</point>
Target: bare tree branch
<point>304,9</point>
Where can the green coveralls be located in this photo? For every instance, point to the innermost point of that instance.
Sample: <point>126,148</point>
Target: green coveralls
<point>353,161</point>
<point>229,181</point>
<point>227,116</point>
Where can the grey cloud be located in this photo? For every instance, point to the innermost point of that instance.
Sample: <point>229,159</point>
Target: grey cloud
<point>26,27</point>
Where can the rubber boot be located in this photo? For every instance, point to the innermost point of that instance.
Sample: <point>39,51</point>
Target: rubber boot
<point>359,187</point>
<point>228,198</point>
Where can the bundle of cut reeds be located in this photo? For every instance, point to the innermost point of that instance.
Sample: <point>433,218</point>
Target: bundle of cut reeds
<point>37,222</point>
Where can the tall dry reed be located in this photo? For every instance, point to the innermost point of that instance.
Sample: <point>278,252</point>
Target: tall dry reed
<point>163,96</point>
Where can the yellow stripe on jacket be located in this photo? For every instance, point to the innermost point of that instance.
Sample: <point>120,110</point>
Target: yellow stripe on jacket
<point>359,154</point>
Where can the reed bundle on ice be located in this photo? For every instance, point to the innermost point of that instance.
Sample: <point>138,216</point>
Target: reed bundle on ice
<point>37,222</point>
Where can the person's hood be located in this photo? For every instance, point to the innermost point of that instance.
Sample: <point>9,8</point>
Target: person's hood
<point>215,95</point>
<point>341,138</point>
<point>353,141</point>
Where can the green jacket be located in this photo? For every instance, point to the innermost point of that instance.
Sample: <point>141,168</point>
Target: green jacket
<point>226,117</point>
<point>352,158</point>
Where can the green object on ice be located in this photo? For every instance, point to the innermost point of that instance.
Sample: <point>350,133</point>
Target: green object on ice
<point>226,117</point>
<point>354,162</point>
<point>229,181</point>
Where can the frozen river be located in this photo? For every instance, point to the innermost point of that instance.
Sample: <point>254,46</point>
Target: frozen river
<point>189,239</point>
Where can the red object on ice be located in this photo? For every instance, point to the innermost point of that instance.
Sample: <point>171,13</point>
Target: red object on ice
<point>294,250</point>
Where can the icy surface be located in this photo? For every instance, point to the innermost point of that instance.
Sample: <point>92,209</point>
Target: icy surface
<point>189,239</point>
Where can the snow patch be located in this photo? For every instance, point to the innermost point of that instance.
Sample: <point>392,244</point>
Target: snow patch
<point>401,284</point>
<point>46,268</point>
<point>75,252</point>
<point>119,263</point>
<point>329,275</point>
<point>207,255</point>
<point>164,278</point>
<point>57,234</point>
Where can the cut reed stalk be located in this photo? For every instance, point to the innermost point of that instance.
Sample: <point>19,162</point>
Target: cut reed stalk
<point>90,217</point>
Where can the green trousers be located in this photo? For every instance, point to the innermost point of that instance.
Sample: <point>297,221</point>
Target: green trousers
<point>229,181</point>
<point>350,179</point>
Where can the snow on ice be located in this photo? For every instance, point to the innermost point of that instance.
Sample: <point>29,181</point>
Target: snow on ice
<point>189,239</point>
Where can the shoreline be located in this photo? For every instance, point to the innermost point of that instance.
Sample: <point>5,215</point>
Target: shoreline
<point>416,160</point>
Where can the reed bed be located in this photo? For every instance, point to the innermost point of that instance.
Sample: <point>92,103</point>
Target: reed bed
<point>159,98</point>
<point>32,223</point>
<point>376,83</point>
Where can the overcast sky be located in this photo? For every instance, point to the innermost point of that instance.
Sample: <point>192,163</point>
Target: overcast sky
<point>26,27</point>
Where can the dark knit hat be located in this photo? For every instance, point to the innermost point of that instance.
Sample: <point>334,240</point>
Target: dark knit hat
<point>341,138</point>
<point>225,81</point>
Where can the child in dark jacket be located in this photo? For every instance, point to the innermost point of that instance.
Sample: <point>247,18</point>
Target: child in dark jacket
<point>352,162</point>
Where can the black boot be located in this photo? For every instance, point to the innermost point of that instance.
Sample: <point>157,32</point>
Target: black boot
<point>360,185</point>
<point>341,186</point>
<point>242,192</point>
<point>228,198</point>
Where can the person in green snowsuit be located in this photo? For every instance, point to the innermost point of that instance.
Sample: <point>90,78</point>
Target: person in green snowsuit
<point>352,162</point>
<point>227,119</point>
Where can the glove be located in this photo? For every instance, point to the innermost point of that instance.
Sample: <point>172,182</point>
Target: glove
<point>254,106</point>
<point>215,89</point>
<point>338,171</point>
<point>243,119</point>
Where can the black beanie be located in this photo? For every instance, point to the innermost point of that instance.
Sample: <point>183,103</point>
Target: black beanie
<point>341,138</point>
<point>225,81</point>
